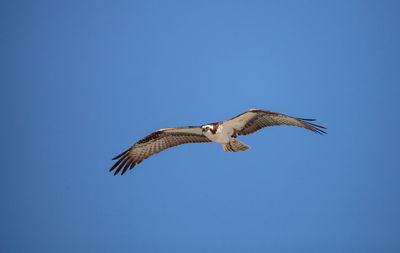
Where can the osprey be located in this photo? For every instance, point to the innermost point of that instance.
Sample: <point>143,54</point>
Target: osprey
<point>224,132</point>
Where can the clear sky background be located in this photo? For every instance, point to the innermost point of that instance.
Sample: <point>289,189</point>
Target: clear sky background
<point>81,81</point>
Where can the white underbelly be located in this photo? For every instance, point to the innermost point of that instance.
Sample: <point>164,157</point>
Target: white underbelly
<point>223,135</point>
<point>219,138</point>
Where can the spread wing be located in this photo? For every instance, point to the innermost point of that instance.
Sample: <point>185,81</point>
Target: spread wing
<point>255,119</point>
<point>155,143</point>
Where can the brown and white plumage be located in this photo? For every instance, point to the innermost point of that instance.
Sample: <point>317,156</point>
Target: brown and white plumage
<point>155,143</point>
<point>223,132</point>
<point>255,119</point>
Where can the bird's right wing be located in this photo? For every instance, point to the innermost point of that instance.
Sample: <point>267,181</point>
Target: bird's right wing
<point>155,143</point>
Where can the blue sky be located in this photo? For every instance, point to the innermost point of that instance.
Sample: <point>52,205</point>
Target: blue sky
<point>84,80</point>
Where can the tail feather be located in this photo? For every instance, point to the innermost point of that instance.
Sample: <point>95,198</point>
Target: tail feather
<point>234,146</point>
<point>227,147</point>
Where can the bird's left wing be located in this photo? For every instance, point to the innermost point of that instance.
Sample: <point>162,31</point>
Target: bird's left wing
<point>255,119</point>
<point>155,143</point>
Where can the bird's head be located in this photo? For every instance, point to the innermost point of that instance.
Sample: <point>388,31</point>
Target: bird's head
<point>207,128</point>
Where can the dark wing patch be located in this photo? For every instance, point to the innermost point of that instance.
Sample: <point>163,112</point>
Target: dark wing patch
<point>263,118</point>
<point>154,143</point>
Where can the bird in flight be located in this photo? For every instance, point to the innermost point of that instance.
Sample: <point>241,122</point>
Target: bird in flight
<point>224,132</point>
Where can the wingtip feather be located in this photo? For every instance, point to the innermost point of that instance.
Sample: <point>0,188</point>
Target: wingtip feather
<point>118,156</point>
<point>313,127</point>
